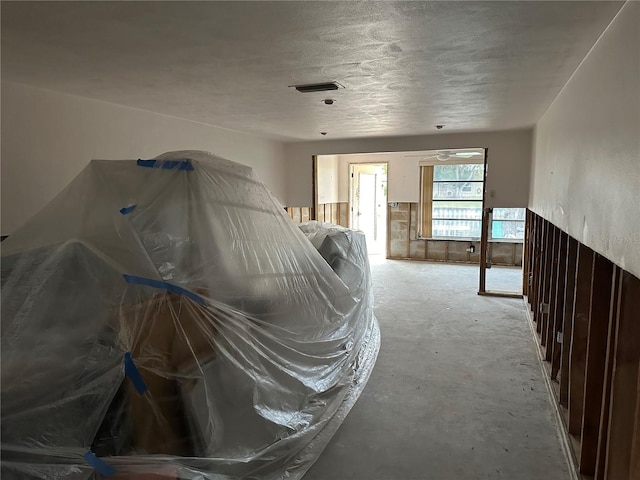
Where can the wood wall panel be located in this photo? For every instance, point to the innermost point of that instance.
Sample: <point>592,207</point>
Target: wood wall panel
<point>596,350</point>
<point>526,269</point>
<point>335,214</point>
<point>533,253</point>
<point>623,449</point>
<point>567,328</point>
<point>578,354</point>
<point>558,302</point>
<point>538,272</point>
<point>594,308</point>
<point>344,214</point>
<point>603,436</point>
<point>550,286</point>
<point>300,214</point>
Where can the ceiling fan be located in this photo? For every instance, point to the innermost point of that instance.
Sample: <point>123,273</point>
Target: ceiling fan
<point>444,155</point>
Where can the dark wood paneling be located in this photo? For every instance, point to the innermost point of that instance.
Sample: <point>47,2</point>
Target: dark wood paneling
<point>544,282</point>
<point>594,307</point>
<point>623,449</point>
<point>558,303</point>
<point>526,253</point>
<point>533,252</point>
<point>595,361</point>
<point>550,288</point>
<point>538,272</point>
<point>580,331</point>
<point>603,437</point>
<point>567,329</point>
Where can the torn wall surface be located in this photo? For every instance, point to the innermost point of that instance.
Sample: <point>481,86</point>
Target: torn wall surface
<point>167,317</point>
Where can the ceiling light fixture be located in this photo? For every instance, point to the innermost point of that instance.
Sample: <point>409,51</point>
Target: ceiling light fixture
<point>317,87</point>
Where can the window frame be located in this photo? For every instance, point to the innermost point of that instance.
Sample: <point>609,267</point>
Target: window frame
<point>426,204</point>
<point>506,239</point>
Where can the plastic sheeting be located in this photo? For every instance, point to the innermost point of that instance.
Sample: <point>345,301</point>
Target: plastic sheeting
<point>167,318</point>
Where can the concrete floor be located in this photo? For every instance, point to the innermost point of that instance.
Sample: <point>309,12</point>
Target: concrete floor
<point>457,392</point>
<point>506,279</point>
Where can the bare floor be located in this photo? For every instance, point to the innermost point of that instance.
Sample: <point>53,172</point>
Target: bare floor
<point>504,279</point>
<point>457,392</point>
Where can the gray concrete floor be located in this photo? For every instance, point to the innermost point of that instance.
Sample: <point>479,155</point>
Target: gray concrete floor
<point>457,392</point>
<point>506,279</point>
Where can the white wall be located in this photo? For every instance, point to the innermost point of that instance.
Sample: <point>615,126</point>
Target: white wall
<point>343,178</point>
<point>403,184</point>
<point>48,137</point>
<point>586,168</point>
<point>328,179</point>
<point>507,178</point>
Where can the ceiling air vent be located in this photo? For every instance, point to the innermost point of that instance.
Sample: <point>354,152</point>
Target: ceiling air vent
<point>317,87</point>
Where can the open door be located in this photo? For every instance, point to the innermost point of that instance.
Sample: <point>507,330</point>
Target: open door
<point>368,204</point>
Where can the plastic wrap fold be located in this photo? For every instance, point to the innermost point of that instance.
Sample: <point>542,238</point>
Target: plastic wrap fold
<point>165,319</point>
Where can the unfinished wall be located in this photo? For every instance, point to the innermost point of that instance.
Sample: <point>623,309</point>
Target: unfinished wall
<point>300,214</point>
<point>336,213</point>
<point>47,138</point>
<point>586,166</point>
<point>403,243</point>
<point>507,180</point>
<point>585,312</point>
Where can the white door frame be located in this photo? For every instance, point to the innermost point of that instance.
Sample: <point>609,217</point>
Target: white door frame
<point>379,243</point>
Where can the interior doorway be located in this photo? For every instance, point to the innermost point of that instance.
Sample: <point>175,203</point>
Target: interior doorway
<point>368,204</point>
<point>504,231</point>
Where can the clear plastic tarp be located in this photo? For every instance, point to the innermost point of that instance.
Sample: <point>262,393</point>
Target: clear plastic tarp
<point>165,319</point>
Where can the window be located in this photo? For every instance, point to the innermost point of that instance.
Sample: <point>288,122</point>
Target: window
<point>451,204</point>
<point>508,223</point>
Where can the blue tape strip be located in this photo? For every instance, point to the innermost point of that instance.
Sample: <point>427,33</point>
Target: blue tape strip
<point>166,164</point>
<point>128,210</point>
<point>166,286</point>
<point>131,371</point>
<point>99,465</point>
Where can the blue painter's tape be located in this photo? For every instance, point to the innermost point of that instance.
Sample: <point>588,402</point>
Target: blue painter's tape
<point>99,465</point>
<point>166,164</point>
<point>131,371</point>
<point>165,286</point>
<point>128,210</point>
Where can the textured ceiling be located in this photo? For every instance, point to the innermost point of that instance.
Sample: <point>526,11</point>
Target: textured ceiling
<point>405,66</point>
